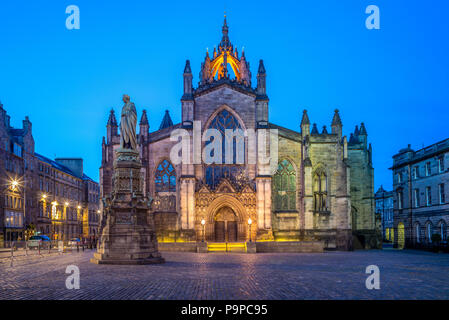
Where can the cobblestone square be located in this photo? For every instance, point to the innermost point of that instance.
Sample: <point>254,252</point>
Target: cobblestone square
<point>329,275</point>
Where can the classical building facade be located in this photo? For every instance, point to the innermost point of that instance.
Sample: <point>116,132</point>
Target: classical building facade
<point>321,186</point>
<point>421,195</point>
<point>40,195</point>
<point>384,210</point>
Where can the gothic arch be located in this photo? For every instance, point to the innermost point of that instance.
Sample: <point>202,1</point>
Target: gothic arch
<point>220,109</point>
<point>320,188</point>
<point>285,195</point>
<point>164,168</point>
<point>226,201</point>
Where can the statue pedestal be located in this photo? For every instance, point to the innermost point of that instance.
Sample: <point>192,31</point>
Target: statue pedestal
<point>128,237</point>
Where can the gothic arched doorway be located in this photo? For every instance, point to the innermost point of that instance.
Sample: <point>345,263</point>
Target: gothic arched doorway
<point>225,225</point>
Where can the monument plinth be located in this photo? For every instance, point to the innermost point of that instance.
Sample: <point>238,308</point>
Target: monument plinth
<point>128,235</point>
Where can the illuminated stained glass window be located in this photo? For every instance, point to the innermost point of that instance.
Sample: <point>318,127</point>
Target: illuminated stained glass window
<point>165,177</point>
<point>284,187</point>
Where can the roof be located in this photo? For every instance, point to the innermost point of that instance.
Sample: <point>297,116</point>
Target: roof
<point>55,165</point>
<point>166,121</point>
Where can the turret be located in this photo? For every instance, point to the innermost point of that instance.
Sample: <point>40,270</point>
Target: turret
<point>112,127</point>
<point>166,121</point>
<point>261,80</point>
<point>363,135</point>
<point>144,127</point>
<point>305,124</point>
<point>188,89</point>
<point>336,124</point>
<point>187,98</point>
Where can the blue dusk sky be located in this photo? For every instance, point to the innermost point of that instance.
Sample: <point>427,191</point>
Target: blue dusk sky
<point>318,55</point>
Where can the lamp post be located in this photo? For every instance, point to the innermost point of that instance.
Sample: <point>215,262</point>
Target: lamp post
<point>203,223</point>
<point>249,223</point>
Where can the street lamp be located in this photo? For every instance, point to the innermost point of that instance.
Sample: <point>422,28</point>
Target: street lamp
<point>249,223</point>
<point>203,222</point>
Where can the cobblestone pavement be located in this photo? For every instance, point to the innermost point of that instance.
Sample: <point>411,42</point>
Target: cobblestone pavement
<point>330,275</point>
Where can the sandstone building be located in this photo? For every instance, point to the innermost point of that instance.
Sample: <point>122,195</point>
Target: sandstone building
<point>421,195</point>
<point>39,195</point>
<point>322,188</point>
<point>384,210</point>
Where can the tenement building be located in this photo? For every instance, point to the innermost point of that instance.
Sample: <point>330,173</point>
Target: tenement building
<point>384,210</point>
<point>420,184</point>
<point>39,195</point>
<point>321,187</point>
<point>68,203</point>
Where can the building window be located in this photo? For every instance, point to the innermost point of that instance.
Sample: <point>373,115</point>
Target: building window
<point>284,187</point>
<point>416,196</point>
<point>428,196</point>
<point>415,173</point>
<point>417,233</point>
<point>443,230</point>
<point>165,178</point>
<point>427,169</point>
<point>400,200</point>
<point>320,191</point>
<point>429,231</point>
<point>399,177</point>
<point>441,164</point>
<point>441,193</point>
<point>225,122</point>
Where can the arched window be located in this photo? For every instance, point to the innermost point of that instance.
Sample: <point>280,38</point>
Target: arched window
<point>230,169</point>
<point>165,177</point>
<point>320,191</point>
<point>284,187</point>
<point>429,231</point>
<point>418,232</point>
<point>443,230</point>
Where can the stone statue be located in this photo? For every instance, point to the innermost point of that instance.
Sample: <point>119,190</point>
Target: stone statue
<point>128,137</point>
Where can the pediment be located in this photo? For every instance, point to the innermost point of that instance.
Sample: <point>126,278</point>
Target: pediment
<point>225,187</point>
<point>204,189</point>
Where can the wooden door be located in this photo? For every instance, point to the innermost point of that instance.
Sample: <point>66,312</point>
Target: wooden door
<point>220,231</point>
<point>232,231</point>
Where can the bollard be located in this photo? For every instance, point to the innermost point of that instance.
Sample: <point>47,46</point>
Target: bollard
<point>26,248</point>
<point>83,247</point>
<point>39,248</point>
<point>77,247</point>
<point>12,255</point>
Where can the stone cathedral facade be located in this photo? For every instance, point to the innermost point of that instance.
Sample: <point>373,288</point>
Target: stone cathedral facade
<point>322,188</point>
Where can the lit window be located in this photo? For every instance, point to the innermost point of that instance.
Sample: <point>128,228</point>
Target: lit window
<point>165,178</point>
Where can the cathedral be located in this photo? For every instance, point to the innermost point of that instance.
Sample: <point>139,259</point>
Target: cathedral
<point>321,187</point>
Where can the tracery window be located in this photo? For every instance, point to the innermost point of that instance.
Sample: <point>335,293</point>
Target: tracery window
<point>320,191</point>
<point>165,177</point>
<point>284,187</point>
<point>226,169</point>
